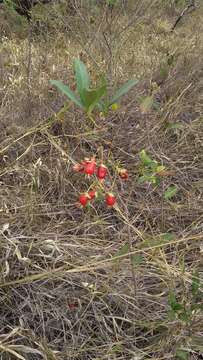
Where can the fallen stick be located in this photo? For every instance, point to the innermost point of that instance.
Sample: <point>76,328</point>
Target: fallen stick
<point>191,5</point>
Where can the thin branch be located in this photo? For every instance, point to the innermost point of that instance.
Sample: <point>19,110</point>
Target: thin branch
<point>185,10</point>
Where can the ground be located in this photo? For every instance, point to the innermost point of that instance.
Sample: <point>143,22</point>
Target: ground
<point>101,283</point>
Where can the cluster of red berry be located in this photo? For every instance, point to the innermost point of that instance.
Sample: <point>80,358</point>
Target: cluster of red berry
<point>90,168</point>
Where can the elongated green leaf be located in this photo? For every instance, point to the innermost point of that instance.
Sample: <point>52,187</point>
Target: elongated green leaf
<point>175,306</point>
<point>111,2</point>
<point>174,126</point>
<point>146,160</point>
<point>168,237</point>
<point>170,192</point>
<point>123,90</point>
<point>91,97</point>
<point>122,251</point>
<point>82,78</point>
<point>182,354</point>
<point>137,260</point>
<point>67,91</point>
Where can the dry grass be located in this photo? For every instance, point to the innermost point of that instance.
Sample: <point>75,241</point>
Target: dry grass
<point>63,294</point>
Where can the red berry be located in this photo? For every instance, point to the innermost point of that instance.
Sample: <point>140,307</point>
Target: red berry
<point>102,172</point>
<point>90,167</point>
<point>83,199</point>
<point>123,173</point>
<point>110,199</point>
<point>92,194</point>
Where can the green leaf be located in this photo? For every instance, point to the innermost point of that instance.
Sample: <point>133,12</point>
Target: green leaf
<point>111,2</point>
<point>137,260</point>
<point>146,160</point>
<point>170,192</point>
<point>160,168</point>
<point>123,90</point>
<point>10,4</point>
<point>67,91</point>
<point>153,180</point>
<point>172,299</point>
<point>122,251</point>
<point>168,237</point>
<point>91,97</point>
<point>146,104</point>
<point>174,126</point>
<point>175,306</point>
<point>185,315</point>
<point>182,354</point>
<point>82,77</point>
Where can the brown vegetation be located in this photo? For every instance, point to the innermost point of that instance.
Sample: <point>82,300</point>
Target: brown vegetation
<point>63,295</point>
